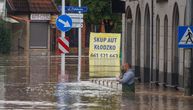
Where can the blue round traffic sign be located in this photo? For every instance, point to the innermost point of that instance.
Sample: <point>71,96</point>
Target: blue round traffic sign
<point>64,23</point>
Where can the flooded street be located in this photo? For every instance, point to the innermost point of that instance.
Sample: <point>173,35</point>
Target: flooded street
<point>34,82</point>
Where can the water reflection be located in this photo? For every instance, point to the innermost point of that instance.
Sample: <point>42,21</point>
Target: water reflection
<point>84,95</point>
<point>62,97</point>
<point>33,83</point>
<point>39,69</point>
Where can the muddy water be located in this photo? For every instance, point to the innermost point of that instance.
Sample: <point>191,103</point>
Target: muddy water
<point>28,83</point>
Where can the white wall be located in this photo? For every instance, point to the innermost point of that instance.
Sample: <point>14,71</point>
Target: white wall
<point>161,9</point>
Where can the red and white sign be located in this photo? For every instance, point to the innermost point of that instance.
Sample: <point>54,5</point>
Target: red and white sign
<point>63,44</point>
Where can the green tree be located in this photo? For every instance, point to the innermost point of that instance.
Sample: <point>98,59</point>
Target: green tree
<point>5,38</point>
<point>99,11</point>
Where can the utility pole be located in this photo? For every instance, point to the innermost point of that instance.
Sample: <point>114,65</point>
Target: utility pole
<point>188,53</point>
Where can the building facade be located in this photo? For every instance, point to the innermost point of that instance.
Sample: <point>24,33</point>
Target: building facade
<point>150,40</point>
<point>33,30</point>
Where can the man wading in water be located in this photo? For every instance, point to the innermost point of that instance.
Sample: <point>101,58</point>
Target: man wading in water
<point>128,79</point>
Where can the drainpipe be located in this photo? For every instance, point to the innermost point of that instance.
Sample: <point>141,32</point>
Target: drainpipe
<point>152,30</point>
<point>188,53</point>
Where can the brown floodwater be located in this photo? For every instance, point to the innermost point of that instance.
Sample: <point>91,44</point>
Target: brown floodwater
<point>34,82</point>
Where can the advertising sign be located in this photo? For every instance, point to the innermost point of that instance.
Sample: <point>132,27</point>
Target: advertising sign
<point>104,54</point>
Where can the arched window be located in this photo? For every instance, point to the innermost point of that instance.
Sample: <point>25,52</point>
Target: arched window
<point>175,56</point>
<point>147,44</point>
<point>137,41</point>
<point>128,36</point>
<point>165,48</point>
<point>157,47</point>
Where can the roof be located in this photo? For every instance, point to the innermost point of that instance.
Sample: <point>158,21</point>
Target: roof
<point>42,6</point>
<point>18,5</point>
<point>33,6</point>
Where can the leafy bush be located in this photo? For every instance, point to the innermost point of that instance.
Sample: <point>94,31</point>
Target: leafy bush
<point>5,38</point>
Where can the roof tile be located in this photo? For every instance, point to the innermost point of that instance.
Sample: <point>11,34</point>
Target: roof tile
<point>34,6</point>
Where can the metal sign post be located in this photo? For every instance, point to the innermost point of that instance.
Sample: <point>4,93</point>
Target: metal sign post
<point>79,47</point>
<point>64,24</point>
<point>63,55</point>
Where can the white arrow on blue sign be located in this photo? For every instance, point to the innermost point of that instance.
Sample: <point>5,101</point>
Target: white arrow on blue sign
<point>64,23</point>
